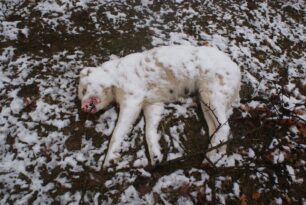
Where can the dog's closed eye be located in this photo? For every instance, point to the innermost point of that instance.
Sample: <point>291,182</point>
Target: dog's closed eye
<point>83,91</point>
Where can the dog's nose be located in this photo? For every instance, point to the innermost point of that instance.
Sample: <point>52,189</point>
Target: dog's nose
<point>85,108</point>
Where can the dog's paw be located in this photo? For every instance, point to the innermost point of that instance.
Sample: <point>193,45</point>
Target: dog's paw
<point>155,157</point>
<point>214,157</point>
<point>111,158</point>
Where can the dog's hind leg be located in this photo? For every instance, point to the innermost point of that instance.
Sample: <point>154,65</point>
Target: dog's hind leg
<point>214,110</point>
<point>152,113</point>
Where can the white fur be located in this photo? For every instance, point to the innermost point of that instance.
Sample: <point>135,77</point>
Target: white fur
<point>144,81</point>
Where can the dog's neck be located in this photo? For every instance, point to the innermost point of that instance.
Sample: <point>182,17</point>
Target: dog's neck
<point>118,94</point>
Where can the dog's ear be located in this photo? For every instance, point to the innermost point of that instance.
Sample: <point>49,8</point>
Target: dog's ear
<point>85,72</point>
<point>81,89</point>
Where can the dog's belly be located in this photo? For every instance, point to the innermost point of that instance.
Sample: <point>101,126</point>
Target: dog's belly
<point>169,91</point>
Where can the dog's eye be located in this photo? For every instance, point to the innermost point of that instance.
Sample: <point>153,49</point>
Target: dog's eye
<point>84,91</point>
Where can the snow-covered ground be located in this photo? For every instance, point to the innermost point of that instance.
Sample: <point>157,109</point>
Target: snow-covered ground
<point>52,152</point>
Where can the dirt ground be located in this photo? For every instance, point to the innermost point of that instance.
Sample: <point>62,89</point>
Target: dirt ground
<point>51,152</point>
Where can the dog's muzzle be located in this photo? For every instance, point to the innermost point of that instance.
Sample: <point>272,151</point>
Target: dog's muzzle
<point>90,105</point>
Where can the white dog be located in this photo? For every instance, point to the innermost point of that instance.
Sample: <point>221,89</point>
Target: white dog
<point>144,81</point>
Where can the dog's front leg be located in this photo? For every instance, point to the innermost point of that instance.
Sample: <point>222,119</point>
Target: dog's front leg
<point>152,115</point>
<point>129,111</point>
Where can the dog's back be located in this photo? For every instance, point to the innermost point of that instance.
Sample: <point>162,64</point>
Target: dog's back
<point>168,72</point>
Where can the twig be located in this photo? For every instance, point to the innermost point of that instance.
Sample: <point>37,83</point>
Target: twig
<point>213,192</point>
<point>197,154</point>
<point>210,109</point>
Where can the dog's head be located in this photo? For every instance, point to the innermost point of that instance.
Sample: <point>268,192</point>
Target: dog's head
<point>93,94</point>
